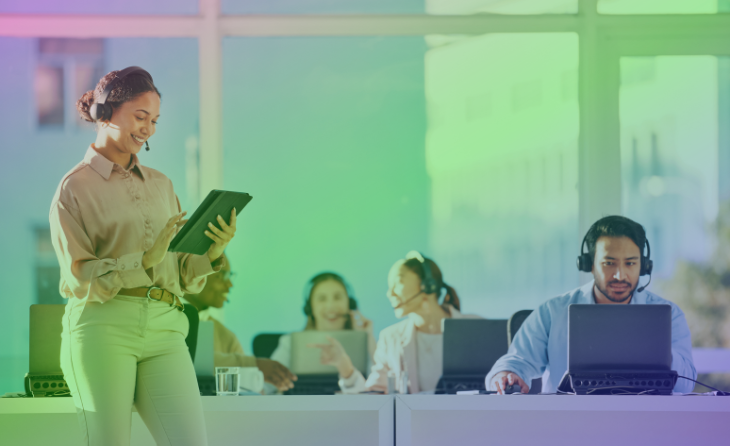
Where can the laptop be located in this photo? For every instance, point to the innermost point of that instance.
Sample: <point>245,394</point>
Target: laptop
<point>619,349</point>
<point>314,378</point>
<point>471,347</point>
<point>204,358</point>
<point>45,378</point>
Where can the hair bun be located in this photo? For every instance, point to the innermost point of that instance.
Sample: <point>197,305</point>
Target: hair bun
<point>83,105</point>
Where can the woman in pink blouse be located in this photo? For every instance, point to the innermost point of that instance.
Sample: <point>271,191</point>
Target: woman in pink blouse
<point>112,220</point>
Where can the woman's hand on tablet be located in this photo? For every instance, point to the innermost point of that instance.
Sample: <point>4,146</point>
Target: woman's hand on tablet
<point>221,237</point>
<point>156,254</point>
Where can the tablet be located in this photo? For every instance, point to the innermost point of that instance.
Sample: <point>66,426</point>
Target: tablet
<point>191,238</point>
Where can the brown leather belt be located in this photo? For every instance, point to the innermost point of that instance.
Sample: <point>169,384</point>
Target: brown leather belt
<point>153,293</point>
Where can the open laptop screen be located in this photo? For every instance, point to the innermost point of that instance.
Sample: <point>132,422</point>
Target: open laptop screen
<point>619,337</point>
<point>306,360</point>
<point>472,346</point>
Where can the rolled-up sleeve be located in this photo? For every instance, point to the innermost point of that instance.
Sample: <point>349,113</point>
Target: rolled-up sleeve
<point>84,274</point>
<point>528,354</point>
<point>194,270</point>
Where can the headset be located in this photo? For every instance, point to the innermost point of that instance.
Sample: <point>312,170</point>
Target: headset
<point>316,280</point>
<point>100,110</point>
<point>428,284</point>
<point>585,260</point>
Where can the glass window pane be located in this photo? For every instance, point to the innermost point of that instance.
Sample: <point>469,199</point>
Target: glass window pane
<point>675,148</point>
<point>49,95</point>
<point>663,6</point>
<point>359,149</point>
<point>127,7</point>
<point>436,7</point>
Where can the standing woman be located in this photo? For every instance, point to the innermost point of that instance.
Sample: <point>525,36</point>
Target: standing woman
<point>112,220</point>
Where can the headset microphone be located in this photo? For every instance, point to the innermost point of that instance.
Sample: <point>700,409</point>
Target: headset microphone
<point>147,146</point>
<point>640,289</point>
<point>402,304</point>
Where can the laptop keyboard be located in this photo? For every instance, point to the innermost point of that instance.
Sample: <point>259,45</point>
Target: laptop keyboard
<point>453,385</point>
<point>315,385</point>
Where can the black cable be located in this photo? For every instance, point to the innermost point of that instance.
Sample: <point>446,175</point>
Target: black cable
<point>719,392</point>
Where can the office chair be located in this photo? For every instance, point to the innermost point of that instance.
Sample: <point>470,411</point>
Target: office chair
<point>514,323</point>
<point>264,344</point>
<point>513,326</point>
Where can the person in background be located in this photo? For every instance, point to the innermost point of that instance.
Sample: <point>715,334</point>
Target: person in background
<point>616,260</point>
<point>329,306</point>
<point>412,348</point>
<point>227,349</point>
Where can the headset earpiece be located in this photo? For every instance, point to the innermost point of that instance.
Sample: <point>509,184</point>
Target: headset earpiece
<point>647,265</point>
<point>585,260</point>
<point>428,284</point>
<point>100,110</point>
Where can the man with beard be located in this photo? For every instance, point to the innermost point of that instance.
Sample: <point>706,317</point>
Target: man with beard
<point>540,348</point>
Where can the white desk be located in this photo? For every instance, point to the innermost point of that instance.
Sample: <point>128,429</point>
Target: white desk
<point>251,420</point>
<point>565,420</point>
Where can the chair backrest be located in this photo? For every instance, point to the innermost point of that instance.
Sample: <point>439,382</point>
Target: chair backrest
<point>264,344</point>
<point>192,339</point>
<point>514,323</point>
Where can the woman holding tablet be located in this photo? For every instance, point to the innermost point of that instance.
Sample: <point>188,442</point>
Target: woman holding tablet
<point>112,220</point>
<point>411,350</point>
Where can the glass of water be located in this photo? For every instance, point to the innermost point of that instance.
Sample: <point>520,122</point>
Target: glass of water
<point>226,381</point>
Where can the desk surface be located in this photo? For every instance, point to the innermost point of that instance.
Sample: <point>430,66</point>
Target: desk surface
<point>561,420</point>
<point>270,420</point>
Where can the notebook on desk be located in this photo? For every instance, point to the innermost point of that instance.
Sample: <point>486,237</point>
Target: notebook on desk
<point>471,347</point>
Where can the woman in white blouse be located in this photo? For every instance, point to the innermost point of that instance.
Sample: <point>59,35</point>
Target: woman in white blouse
<point>411,350</point>
<point>112,221</point>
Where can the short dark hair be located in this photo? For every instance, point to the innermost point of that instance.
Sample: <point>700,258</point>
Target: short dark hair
<point>615,226</point>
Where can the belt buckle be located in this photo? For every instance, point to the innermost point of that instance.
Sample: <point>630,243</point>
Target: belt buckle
<point>175,301</point>
<point>155,288</point>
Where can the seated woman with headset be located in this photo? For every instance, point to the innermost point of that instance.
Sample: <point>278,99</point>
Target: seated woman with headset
<point>329,306</point>
<point>412,348</point>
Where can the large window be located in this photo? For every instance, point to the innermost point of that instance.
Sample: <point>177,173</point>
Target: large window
<point>675,162</point>
<point>436,7</point>
<point>489,134</point>
<point>358,150</point>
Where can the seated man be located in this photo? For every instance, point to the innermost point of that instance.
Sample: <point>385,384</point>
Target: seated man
<point>228,351</point>
<point>615,247</point>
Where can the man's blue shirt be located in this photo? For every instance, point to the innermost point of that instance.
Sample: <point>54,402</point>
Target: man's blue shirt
<point>541,345</point>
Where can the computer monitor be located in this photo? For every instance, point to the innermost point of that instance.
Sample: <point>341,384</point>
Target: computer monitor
<point>45,338</point>
<point>205,353</point>
<point>619,337</point>
<point>472,346</point>
<point>306,360</point>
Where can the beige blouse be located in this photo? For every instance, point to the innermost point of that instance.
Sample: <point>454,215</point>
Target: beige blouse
<point>103,219</point>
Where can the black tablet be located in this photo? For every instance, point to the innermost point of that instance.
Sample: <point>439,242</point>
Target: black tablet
<point>191,238</point>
